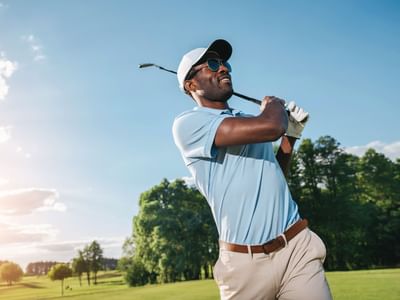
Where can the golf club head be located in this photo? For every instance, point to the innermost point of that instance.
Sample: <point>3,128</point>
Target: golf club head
<point>146,65</point>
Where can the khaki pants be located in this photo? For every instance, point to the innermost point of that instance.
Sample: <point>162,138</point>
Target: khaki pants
<point>292,273</point>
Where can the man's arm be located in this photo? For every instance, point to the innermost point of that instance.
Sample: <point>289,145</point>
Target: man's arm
<point>270,125</point>
<point>297,120</point>
<point>284,154</point>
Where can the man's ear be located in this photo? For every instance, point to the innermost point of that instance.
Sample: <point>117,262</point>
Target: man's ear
<point>190,86</point>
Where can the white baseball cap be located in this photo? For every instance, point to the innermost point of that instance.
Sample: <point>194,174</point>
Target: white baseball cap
<point>222,47</point>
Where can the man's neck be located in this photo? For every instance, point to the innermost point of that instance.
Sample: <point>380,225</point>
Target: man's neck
<point>212,104</point>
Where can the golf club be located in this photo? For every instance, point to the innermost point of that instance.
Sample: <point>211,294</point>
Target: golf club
<point>256,101</point>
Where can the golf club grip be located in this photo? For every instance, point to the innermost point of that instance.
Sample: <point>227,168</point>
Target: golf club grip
<point>256,101</point>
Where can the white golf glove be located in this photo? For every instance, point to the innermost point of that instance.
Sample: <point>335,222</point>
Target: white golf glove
<point>297,120</point>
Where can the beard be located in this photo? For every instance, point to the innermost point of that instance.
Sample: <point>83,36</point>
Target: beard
<point>218,94</point>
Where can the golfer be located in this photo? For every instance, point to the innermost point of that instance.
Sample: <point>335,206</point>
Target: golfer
<point>266,249</point>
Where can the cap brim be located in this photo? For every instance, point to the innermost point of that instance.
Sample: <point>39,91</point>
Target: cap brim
<point>221,47</point>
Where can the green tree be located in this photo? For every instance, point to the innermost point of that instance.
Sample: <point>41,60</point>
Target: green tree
<point>353,203</point>
<point>380,181</point>
<point>174,233</point>
<point>323,180</point>
<point>86,255</point>
<point>60,272</point>
<point>136,273</point>
<point>96,258</point>
<point>79,266</point>
<point>10,272</point>
<point>341,215</point>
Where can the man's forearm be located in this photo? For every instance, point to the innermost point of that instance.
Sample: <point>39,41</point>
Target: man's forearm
<point>270,125</point>
<point>284,154</point>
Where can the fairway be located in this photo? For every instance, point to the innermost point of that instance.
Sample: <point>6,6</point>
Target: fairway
<point>363,285</point>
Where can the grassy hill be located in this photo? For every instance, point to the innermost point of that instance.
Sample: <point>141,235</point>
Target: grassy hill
<point>365,285</point>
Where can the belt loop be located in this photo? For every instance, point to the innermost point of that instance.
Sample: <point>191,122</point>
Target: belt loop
<point>249,251</point>
<point>284,238</point>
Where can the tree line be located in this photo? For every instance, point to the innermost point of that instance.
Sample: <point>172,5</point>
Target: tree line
<point>351,202</point>
<point>39,267</point>
<point>88,261</point>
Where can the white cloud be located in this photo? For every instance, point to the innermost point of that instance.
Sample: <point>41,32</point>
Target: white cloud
<point>5,133</point>
<point>27,201</point>
<point>7,68</point>
<point>73,246</point>
<point>15,233</point>
<point>39,57</point>
<point>391,150</point>
<point>188,180</point>
<point>36,47</point>
<point>3,181</point>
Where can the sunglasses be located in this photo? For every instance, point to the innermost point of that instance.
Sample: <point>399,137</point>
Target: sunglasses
<point>213,65</point>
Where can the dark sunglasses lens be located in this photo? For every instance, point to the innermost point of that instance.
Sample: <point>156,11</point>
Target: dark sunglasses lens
<point>213,65</point>
<point>227,65</point>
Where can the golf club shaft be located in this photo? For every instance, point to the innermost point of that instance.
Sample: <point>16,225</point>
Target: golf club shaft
<point>256,101</point>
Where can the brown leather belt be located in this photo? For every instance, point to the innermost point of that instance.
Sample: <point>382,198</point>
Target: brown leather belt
<point>270,246</point>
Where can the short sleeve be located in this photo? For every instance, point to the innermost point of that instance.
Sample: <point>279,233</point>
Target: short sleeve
<point>194,133</point>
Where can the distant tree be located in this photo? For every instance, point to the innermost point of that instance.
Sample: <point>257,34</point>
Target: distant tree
<point>60,272</point>
<point>136,273</point>
<point>87,258</point>
<point>10,272</point>
<point>40,267</point>
<point>30,269</point>
<point>79,266</point>
<point>96,258</point>
<point>3,262</point>
<point>109,264</point>
<point>128,252</point>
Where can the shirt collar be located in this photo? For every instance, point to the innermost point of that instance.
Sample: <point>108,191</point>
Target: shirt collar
<point>229,111</point>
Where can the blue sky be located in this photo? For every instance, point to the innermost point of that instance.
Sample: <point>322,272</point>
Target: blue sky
<point>83,131</point>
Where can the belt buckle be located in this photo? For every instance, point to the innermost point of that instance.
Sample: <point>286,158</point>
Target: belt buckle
<point>282,241</point>
<point>265,245</point>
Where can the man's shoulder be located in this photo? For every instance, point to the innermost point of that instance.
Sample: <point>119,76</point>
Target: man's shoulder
<point>198,110</point>
<point>186,113</point>
<point>198,114</point>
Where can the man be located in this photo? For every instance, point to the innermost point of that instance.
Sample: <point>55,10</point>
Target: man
<point>266,249</point>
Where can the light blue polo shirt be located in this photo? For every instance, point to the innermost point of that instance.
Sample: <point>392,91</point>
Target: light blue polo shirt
<point>244,184</point>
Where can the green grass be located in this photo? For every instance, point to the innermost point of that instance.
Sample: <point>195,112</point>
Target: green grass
<point>365,285</point>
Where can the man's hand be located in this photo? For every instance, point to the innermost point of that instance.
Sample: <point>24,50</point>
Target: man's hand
<point>271,100</point>
<point>272,106</point>
<point>297,120</point>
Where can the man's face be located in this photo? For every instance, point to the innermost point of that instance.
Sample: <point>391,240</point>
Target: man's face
<point>214,86</point>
